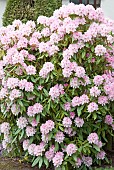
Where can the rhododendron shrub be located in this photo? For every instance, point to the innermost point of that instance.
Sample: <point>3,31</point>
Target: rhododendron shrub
<point>57,87</point>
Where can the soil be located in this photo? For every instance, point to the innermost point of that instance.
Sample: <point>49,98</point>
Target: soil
<point>14,164</point>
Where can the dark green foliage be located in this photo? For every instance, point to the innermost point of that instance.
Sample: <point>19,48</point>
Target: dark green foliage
<point>28,9</point>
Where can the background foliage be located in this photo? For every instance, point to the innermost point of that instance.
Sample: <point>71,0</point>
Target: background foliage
<point>28,9</point>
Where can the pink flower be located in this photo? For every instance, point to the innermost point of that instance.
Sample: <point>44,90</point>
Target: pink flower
<point>31,70</point>
<point>72,115</point>
<point>29,87</point>
<point>47,68</point>
<point>58,159</point>
<point>38,150</point>
<point>98,80</point>
<point>87,161</point>
<point>75,83</point>
<point>80,71</point>
<point>47,127</point>
<point>22,122</point>
<point>56,91</point>
<point>93,138</point>
<point>12,83</point>
<point>71,149</point>
<point>22,84</point>
<point>31,149</point>
<point>94,91</point>
<point>26,144</point>
<point>100,50</point>
<point>59,137</point>
<point>14,94</point>
<point>112,126</point>
<point>49,155</point>
<point>30,131</point>
<point>102,100</point>
<point>76,101</point>
<point>34,123</point>
<point>4,128</point>
<point>67,106</point>
<point>79,122</point>
<point>108,120</point>
<point>101,155</point>
<point>78,162</point>
<point>67,122</point>
<point>15,109</point>
<point>84,99</point>
<point>40,87</point>
<point>92,107</point>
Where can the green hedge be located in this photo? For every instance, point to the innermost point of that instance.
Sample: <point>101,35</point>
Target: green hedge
<point>28,9</point>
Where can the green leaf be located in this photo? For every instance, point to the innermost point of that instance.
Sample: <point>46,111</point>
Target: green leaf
<point>63,167</point>
<point>22,134</point>
<point>40,162</point>
<point>94,116</point>
<point>35,161</point>
<point>56,146</point>
<point>14,139</point>
<point>38,118</point>
<point>96,147</point>
<point>18,131</point>
<point>83,54</point>
<point>46,92</point>
<point>46,162</point>
<point>79,110</point>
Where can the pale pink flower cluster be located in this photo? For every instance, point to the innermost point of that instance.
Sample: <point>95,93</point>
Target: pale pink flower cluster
<point>103,100</point>
<point>14,94</point>
<point>31,70</point>
<point>34,123</point>
<point>93,138</point>
<point>101,155</point>
<point>47,127</point>
<point>47,68</point>
<point>108,120</point>
<point>79,122</point>
<point>100,50</point>
<point>50,154</point>
<point>30,131</point>
<point>98,80</point>
<point>58,159</point>
<point>75,82</point>
<point>12,83</point>
<point>5,127</point>
<point>92,107</point>
<point>35,109</point>
<point>26,144</point>
<point>22,84</point>
<point>80,71</point>
<point>3,93</point>
<point>56,91</point>
<point>72,115</point>
<point>78,162</point>
<point>94,91</point>
<point>77,101</point>
<point>67,122</point>
<point>39,149</point>
<point>22,122</point>
<point>31,149</point>
<point>87,161</point>
<point>15,109</point>
<point>71,149</point>
<point>67,106</point>
<point>109,90</point>
<point>59,137</point>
